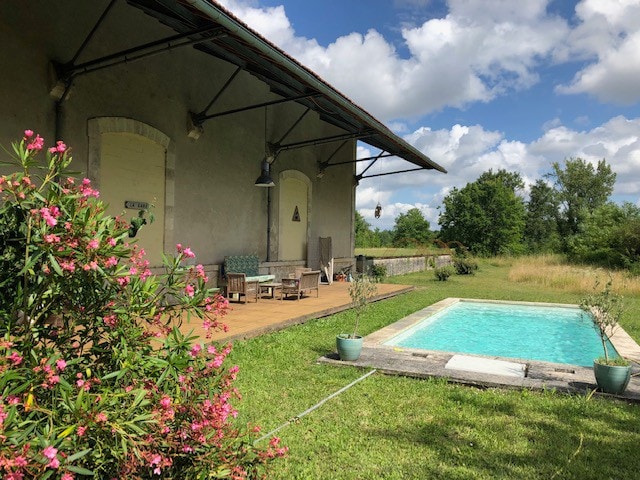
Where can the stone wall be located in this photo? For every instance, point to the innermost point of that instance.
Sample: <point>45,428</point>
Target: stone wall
<point>404,265</point>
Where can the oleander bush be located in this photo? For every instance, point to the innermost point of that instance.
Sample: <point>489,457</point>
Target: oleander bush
<point>96,378</point>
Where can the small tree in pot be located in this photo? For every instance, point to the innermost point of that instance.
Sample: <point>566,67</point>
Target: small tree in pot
<point>361,289</point>
<point>605,309</point>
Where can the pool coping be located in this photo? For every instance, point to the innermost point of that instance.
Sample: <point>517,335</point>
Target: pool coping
<point>430,363</point>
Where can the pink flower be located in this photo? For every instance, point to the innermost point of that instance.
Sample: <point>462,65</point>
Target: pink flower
<point>28,134</point>
<point>188,253</point>
<point>51,238</point>
<point>101,417</point>
<point>15,358</point>
<point>54,463</point>
<point>189,290</point>
<point>93,244</point>
<point>68,266</point>
<point>110,320</point>
<point>86,190</point>
<point>50,214</point>
<point>50,452</point>
<point>36,144</point>
<point>81,431</point>
<point>111,262</point>
<point>165,402</point>
<point>61,364</point>
<point>67,476</point>
<point>195,350</point>
<point>112,241</point>
<point>59,148</point>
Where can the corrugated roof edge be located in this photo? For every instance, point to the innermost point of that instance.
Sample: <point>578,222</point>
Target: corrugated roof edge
<point>218,13</point>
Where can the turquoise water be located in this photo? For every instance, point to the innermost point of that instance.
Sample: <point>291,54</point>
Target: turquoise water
<point>550,334</point>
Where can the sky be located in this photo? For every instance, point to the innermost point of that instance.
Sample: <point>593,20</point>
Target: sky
<point>473,84</point>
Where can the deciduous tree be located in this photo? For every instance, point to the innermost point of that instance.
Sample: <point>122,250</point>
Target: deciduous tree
<point>411,229</point>
<point>486,215</point>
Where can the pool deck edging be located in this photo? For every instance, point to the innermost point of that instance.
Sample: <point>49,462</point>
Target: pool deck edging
<point>427,363</point>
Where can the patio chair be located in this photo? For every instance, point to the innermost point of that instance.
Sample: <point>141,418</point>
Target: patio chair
<point>307,282</point>
<point>237,284</point>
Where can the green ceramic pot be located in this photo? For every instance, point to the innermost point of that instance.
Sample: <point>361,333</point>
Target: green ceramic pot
<point>612,378</point>
<point>348,348</point>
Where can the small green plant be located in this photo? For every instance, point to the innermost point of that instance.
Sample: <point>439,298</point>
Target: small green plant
<point>378,271</point>
<point>361,289</point>
<point>605,309</point>
<point>442,274</point>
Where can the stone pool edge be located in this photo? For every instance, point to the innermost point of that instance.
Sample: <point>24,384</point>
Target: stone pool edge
<point>427,363</point>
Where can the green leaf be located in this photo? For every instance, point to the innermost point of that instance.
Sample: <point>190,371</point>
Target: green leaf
<point>78,455</point>
<point>80,470</point>
<point>55,264</point>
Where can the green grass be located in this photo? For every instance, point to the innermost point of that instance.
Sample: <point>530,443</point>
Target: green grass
<point>399,428</point>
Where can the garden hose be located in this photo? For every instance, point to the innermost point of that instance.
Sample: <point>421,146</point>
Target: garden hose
<point>317,405</point>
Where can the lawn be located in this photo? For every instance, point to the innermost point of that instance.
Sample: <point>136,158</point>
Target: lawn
<point>399,428</point>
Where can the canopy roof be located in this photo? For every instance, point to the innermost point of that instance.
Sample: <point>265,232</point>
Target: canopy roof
<point>214,30</point>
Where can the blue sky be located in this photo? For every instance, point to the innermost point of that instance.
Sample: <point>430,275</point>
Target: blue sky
<point>474,84</point>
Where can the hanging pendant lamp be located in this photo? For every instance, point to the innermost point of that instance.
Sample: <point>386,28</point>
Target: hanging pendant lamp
<point>265,180</point>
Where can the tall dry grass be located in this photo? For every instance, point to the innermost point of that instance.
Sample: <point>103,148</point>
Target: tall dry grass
<point>554,272</point>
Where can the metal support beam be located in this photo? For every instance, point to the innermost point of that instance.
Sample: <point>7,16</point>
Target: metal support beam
<point>92,32</point>
<point>360,176</point>
<point>258,105</point>
<point>294,125</point>
<point>66,72</point>
<point>203,113</point>
<point>327,164</point>
<point>371,164</point>
<point>321,141</point>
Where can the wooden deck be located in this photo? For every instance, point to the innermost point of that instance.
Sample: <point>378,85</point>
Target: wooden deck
<point>246,320</point>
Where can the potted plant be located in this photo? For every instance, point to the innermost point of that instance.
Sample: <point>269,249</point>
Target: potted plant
<point>361,289</point>
<point>605,308</point>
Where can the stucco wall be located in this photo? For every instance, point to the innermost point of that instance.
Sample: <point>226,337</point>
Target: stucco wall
<point>217,210</point>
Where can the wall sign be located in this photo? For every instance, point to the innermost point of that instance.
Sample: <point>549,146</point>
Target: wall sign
<point>132,204</point>
<point>296,215</point>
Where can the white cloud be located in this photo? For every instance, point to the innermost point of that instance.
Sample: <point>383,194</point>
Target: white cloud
<point>477,52</point>
<point>608,35</point>
<point>468,151</point>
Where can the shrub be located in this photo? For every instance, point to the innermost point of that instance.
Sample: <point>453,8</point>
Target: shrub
<point>442,274</point>
<point>378,271</point>
<point>465,266</point>
<point>95,376</point>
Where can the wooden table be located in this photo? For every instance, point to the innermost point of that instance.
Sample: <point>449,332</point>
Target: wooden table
<point>270,287</point>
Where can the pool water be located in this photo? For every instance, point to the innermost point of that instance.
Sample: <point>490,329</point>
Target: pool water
<point>544,333</point>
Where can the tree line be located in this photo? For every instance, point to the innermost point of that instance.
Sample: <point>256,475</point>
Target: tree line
<point>567,211</point>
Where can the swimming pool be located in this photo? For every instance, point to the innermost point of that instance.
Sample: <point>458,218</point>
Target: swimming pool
<point>548,333</point>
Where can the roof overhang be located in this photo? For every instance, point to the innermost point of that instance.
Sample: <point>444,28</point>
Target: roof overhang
<point>243,47</point>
